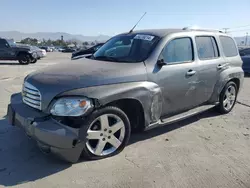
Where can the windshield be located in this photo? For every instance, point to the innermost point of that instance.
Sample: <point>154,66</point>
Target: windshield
<point>11,42</point>
<point>127,48</point>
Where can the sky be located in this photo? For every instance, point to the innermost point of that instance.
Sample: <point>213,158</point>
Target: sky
<point>110,17</point>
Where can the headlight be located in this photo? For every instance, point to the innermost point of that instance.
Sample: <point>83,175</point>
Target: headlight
<point>71,106</point>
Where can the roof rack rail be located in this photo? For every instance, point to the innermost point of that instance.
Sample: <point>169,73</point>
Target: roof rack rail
<point>202,29</point>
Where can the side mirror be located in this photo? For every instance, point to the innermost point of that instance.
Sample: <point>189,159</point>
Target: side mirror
<point>161,62</point>
<point>7,45</point>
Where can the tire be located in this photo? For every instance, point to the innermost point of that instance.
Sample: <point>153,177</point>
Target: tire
<point>34,61</point>
<point>105,137</point>
<point>231,99</point>
<point>23,59</point>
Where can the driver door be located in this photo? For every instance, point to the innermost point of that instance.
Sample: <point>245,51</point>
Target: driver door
<point>178,77</point>
<point>3,50</point>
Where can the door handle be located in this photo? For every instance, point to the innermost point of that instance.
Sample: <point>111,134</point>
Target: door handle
<point>222,66</point>
<point>190,73</point>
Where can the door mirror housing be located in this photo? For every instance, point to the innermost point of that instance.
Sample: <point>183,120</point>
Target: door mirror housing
<point>161,62</point>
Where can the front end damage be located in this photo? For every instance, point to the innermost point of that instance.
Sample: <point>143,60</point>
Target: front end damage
<point>51,135</point>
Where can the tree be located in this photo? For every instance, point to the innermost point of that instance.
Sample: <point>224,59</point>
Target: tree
<point>85,43</point>
<point>92,43</point>
<point>49,42</point>
<point>30,41</point>
<point>59,43</point>
<point>74,42</point>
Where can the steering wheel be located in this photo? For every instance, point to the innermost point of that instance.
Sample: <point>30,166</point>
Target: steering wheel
<point>112,54</point>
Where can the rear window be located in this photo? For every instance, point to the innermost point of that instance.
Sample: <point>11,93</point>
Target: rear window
<point>206,47</point>
<point>228,46</point>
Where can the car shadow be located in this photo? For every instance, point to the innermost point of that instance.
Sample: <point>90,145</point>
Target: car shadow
<point>10,63</point>
<point>21,161</point>
<point>137,137</point>
<point>247,75</point>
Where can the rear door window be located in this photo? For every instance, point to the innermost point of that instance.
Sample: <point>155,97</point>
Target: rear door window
<point>207,47</point>
<point>228,46</point>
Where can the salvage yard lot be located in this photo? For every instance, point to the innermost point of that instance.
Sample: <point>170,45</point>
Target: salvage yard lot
<point>208,150</point>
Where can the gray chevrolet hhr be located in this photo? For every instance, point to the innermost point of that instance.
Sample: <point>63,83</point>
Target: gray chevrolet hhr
<point>135,81</point>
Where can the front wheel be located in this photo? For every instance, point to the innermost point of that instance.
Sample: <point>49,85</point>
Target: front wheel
<point>33,61</point>
<point>24,59</point>
<point>228,98</point>
<point>106,133</point>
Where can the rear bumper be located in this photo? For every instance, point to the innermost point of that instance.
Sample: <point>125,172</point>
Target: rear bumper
<point>246,69</point>
<point>50,135</point>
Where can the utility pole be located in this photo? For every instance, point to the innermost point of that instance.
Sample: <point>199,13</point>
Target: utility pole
<point>246,39</point>
<point>225,29</point>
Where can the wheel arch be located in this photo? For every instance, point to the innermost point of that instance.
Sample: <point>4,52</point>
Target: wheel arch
<point>236,81</point>
<point>234,74</point>
<point>133,108</point>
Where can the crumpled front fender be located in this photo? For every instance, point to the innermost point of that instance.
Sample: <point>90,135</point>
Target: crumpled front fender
<point>147,93</point>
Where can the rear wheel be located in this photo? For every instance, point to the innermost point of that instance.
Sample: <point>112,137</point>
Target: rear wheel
<point>33,61</point>
<point>24,59</point>
<point>107,132</point>
<point>228,98</point>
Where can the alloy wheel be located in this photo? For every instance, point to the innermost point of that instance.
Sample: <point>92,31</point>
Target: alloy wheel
<point>105,134</point>
<point>229,97</point>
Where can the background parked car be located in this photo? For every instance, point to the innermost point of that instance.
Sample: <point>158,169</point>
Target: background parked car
<point>67,49</point>
<point>245,56</point>
<point>40,52</point>
<point>59,48</point>
<point>47,48</point>
<point>85,52</point>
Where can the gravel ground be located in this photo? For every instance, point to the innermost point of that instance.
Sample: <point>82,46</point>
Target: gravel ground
<point>208,150</point>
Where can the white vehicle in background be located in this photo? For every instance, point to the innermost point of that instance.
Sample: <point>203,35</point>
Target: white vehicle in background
<point>44,53</point>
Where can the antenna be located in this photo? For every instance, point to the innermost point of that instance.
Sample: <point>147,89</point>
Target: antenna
<point>137,22</point>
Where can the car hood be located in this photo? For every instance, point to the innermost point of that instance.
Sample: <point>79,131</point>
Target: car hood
<point>82,73</point>
<point>22,47</point>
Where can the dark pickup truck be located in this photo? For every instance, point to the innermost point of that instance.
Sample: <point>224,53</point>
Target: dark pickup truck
<point>12,51</point>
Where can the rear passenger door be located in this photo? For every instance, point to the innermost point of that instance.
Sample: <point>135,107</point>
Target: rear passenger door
<point>209,60</point>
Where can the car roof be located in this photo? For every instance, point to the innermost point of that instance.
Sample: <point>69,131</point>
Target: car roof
<point>156,32</point>
<point>163,32</point>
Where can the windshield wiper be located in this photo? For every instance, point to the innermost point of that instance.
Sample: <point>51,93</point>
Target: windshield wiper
<point>106,58</point>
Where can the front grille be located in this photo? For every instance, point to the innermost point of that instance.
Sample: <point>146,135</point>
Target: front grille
<point>31,96</point>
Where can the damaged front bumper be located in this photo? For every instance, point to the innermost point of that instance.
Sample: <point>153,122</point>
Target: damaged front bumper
<point>50,135</point>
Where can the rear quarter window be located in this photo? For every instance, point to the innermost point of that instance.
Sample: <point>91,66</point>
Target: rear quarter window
<point>228,46</point>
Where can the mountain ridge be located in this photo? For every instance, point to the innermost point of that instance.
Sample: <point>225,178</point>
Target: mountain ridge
<point>18,36</point>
